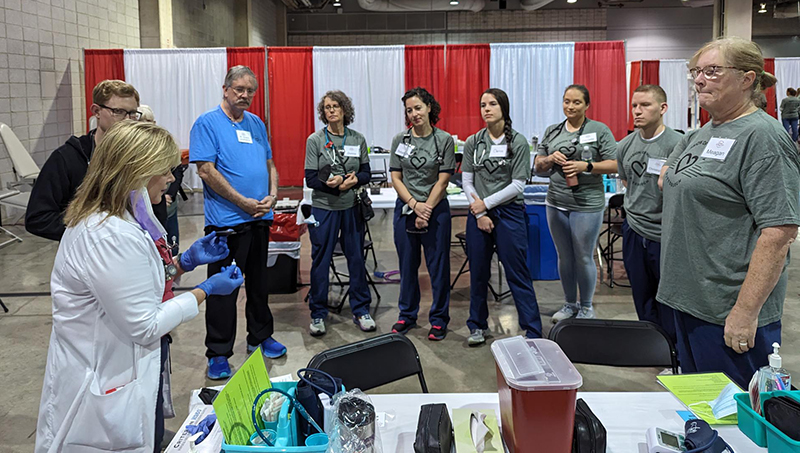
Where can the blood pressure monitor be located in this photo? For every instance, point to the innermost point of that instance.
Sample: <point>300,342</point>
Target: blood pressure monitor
<point>663,441</point>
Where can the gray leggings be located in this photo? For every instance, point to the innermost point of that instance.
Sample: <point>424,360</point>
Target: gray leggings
<point>575,236</point>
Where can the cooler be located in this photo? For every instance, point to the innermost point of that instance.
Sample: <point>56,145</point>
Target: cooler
<point>542,256</point>
<point>537,386</point>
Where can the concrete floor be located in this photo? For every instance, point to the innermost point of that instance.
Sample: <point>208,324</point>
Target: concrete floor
<point>449,366</point>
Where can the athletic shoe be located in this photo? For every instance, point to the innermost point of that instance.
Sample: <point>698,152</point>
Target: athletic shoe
<point>586,313</point>
<point>476,337</point>
<point>403,326</point>
<point>566,312</point>
<point>437,333</point>
<point>317,327</point>
<point>270,348</point>
<point>365,322</point>
<point>218,368</point>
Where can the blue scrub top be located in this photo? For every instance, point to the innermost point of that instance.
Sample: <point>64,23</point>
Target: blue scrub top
<point>244,165</point>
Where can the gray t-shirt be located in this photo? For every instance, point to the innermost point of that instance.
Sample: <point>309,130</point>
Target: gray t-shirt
<point>790,108</point>
<point>493,174</point>
<point>714,211</point>
<point>588,195</point>
<point>317,156</point>
<point>421,166</point>
<point>638,161</point>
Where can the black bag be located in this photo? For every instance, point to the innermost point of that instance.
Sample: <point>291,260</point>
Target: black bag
<point>364,205</point>
<point>784,413</point>
<point>310,386</point>
<point>590,434</point>
<point>434,430</point>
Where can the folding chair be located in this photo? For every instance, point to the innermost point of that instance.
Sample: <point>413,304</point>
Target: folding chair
<point>615,214</point>
<point>615,343</point>
<point>25,169</point>
<point>373,362</point>
<point>339,253</point>
<point>17,200</point>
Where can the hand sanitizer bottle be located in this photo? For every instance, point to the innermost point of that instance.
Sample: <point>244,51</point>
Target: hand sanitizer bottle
<point>774,376</point>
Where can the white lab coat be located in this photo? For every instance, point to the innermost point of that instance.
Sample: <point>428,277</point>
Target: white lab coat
<point>108,319</point>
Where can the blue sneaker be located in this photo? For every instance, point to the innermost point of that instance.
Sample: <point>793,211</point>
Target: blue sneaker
<point>218,368</point>
<point>270,348</point>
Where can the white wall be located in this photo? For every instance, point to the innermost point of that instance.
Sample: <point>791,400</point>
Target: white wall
<point>660,33</point>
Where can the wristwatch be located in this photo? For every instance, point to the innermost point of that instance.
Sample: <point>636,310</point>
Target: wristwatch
<point>589,167</point>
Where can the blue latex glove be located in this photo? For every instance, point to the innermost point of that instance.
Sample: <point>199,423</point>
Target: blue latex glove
<point>208,249</point>
<point>205,426</point>
<point>223,283</point>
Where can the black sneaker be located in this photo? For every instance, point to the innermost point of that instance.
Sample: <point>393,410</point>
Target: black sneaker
<point>402,326</point>
<point>437,333</point>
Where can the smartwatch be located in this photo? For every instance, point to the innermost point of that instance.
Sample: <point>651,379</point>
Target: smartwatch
<point>589,167</point>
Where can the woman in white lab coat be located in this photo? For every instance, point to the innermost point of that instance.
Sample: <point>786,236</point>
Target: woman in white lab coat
<point>112,299</point>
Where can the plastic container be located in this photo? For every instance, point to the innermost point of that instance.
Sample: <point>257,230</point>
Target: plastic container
<point>759,430</point>
<point>282,262</point>
<point>537,386</point>
<point>542,257</point>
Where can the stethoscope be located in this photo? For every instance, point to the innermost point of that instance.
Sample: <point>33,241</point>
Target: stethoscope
<point>407,142</point>
<point>335,152</point>
<point>560,129</point>
<point>479,162</point>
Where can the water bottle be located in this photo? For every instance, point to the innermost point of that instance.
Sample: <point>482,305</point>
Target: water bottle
<point>586,155</point>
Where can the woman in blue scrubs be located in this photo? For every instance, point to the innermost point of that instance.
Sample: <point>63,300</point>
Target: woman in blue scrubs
<point>495,166</point>
<point>336,165</point>
<point>422,160</point>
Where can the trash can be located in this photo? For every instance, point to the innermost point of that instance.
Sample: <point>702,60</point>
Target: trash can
<point>542,256</point>
<point>537,386</point>
<point>282,262</point>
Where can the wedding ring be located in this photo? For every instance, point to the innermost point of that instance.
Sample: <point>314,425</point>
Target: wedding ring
<point>742,343</point>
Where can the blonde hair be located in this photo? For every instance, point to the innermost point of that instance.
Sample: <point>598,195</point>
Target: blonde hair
<point>130,154</point>
<point>103,91</point>
<point>147,113</point>
<point>742,54</point>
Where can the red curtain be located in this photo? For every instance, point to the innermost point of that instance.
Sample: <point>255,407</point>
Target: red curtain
<point>291,109</point>
<point>425,68</point>
<point>650,72</point>
<point>467,77</point>
<point>636,80</point>
<point>99,65</point>
<point>600,66</point>
<point>772,99</point>
<point>253,58</point>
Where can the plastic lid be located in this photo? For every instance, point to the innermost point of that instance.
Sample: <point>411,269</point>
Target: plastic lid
<point>535,365</point>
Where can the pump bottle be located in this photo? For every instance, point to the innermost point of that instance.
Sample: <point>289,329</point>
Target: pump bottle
<point>773,376</point>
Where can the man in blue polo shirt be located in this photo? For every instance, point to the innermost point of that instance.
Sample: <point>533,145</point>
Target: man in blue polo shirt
<point>240,185</point>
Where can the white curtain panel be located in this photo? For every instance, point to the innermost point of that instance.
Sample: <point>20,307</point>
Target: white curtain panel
<point>787,70</point>
<point>374,78</point>
<point>673,78</point>
<point>534,75</point>
<point>179,84</point>
<point>628,86</point>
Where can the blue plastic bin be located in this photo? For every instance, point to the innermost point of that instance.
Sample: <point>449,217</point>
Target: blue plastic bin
<point>542,257</point>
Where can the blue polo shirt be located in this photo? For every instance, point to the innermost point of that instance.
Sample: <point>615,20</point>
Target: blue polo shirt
<point>214,138</point>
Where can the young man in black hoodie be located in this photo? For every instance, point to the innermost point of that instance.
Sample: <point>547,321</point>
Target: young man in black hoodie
<point>112,101</point>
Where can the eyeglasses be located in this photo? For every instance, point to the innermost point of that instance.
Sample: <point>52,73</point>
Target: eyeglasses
<point>240,91</point>
<point>122,113</point>
<point>331,108</point>
<point>710,72</point>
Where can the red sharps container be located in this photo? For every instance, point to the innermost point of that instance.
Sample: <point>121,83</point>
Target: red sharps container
<point>537,385</point>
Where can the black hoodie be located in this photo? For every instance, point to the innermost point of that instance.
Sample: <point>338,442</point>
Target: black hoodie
<point>56,186</point>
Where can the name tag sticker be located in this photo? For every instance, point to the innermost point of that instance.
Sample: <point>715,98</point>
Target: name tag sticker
<point>404,150</point>
<point>718,148</point>
<point>244,136</point>
<point>654,166</point>
<point>498,151</point>
<point>589,138</point>
<point>352,151</point>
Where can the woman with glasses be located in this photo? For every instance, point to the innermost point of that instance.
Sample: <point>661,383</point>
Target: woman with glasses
<point>422,160</point>
<point>730,214</point>
<point>495,166</point>
<point>577,153</point>
<point>337,164</point>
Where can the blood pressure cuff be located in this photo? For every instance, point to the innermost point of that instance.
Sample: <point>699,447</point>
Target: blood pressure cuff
<point>589,435</point>
<point>700,437</point>
<point>784,413</point>
<point>434,430</point>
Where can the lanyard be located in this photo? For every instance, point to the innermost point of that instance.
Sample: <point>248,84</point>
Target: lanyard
<point>334,152</point>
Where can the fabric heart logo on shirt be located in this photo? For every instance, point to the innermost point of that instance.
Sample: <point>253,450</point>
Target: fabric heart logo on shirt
<point>639,168</point>
<point>491,166</point>
<point>685,162</point>
<point>418,162</point>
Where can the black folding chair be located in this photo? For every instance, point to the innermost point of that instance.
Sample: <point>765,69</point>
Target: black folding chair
<point>615,214</point>
<point>373,362</point>
<point>615,343</point>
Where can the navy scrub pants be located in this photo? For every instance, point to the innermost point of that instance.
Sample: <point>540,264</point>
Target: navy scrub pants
<point>701,348</point>
<point>436,242</point>
<point>323,240</point>
<point>510,236</point>
<point>642,263</point>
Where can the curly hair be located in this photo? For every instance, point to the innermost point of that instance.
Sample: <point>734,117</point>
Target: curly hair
<point>348,111</point>
<point>426,99</point>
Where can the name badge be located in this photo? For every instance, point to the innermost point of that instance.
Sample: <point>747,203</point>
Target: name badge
<point>718,148</point>
<point>244,136</point>
<point>352,151</point>
<point>654,166</point>
<point>404,150</point>
<point>498,151</point>
<point>589,138</point>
